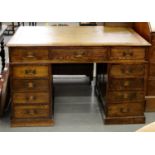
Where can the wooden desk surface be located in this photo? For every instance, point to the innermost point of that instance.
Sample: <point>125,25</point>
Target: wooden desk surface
<point>76,36</point>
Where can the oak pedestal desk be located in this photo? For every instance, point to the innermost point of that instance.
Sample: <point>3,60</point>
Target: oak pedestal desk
<point>33,50</point>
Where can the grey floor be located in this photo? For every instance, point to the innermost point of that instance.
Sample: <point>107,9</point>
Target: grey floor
<point>76,109</point>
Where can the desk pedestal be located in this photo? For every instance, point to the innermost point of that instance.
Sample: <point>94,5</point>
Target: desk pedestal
<point>121,93</point>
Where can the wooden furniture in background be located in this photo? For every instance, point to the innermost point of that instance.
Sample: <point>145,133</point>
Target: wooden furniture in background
<point>34,50</point>
<point>148,32</point>
<point>143,28</point>
<point>119,24</point>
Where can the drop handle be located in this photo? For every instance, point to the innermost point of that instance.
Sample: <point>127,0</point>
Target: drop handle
<point>127,70</point>
<point>125,96</point>
<point>30,55</point>
<point>30,85</point>
<point>30,112</point>
<point>127,53</point>
<point>30,71</point>
<point>124,110</point>
<point>30,98</point>
<point>79,55</point>
<point>126,84</point>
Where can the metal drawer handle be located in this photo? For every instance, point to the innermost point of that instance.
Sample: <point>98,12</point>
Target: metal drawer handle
<point>30,55</point>
<point>124,110</point>
<point>79,55</point>
<point>30,98</point>
<point>126,83</point>
<point>30,112</point>
<point>30,72</point>
<point>30,85</point>
<point>125,96</point>
<point>127,70</point>
<point>127,54</point>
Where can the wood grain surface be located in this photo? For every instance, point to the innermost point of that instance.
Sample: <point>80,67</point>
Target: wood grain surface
<point>76,36</point>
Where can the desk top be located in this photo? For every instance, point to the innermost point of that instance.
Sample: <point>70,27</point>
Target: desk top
<point>76,36</point>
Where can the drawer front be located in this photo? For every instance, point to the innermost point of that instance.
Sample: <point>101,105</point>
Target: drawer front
<point>31,111</point>
<point>26,98</point>
<point>126,70</point>
<point>126,53</point>
<point>90,54</point>
<point>30,71</point>
<point>128,109</point>
<point>30,85</point>
<point>125,96</point>
<point>126,84</point>
<point>28,54</point>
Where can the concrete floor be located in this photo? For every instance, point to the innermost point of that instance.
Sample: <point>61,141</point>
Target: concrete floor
<point>76,109</point>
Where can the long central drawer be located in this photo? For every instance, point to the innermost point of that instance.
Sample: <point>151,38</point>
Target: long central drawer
<point>78,54</point>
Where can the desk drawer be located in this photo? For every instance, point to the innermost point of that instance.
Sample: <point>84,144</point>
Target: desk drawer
<point>31,111</point>
<point>77,54</point>
<point>128,109</point>
<point>125,96</point>
<point>28,54</point>
<point>27,98</point>
<point>30,85</point>
<point>30,71</point>
<point>126,53</point>
<point>126,84</point>
<point>127,70</point>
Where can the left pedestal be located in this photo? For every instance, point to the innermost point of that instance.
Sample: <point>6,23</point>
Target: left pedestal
<point>31,89</point>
